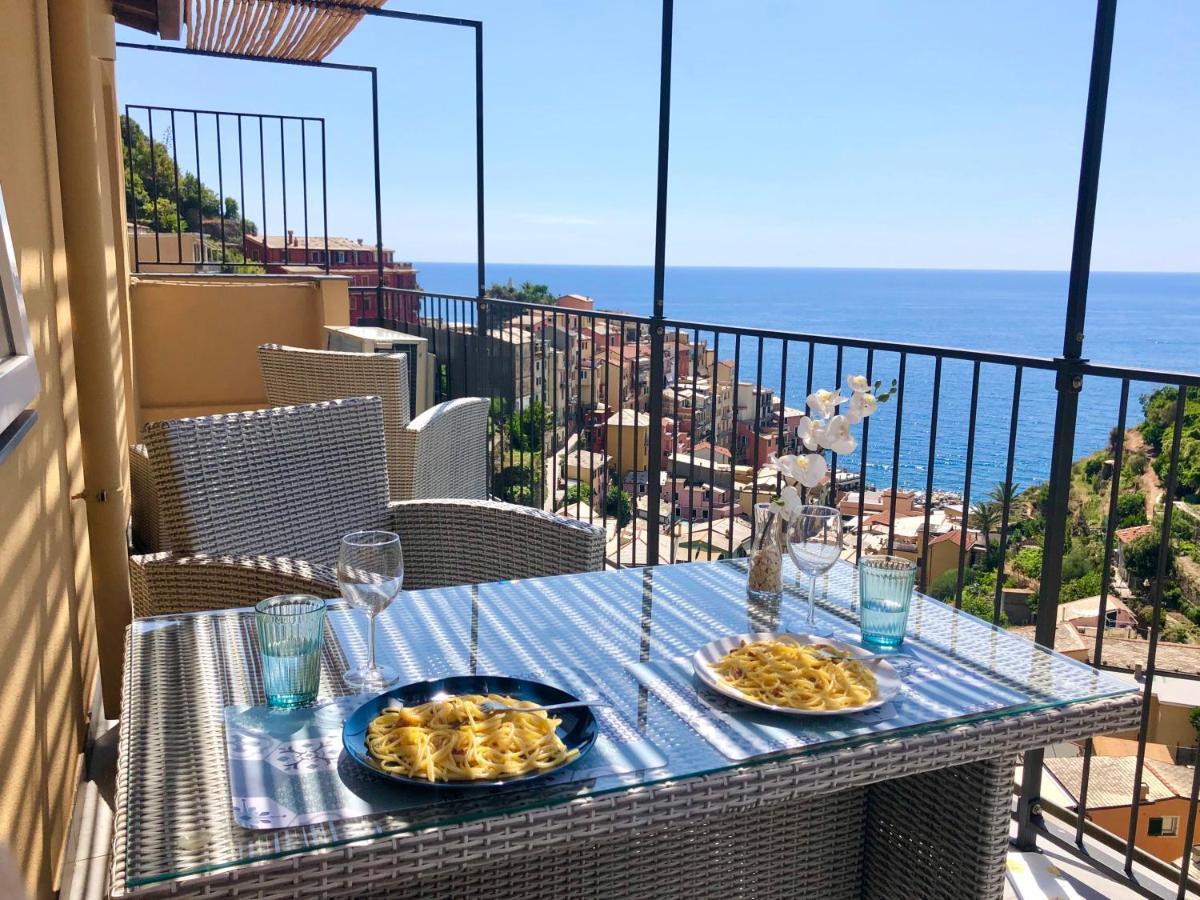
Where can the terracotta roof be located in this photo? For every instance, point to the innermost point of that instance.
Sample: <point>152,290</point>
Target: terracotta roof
<point>629,417</point>
<point>1125,535</point>
<point>1110,780</point>
<point>955,537</point>
<point>719,451</point>
<point>1066,635</point>
<point>1121,653</point>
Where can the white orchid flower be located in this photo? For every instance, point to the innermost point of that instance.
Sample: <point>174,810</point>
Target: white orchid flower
<point>784,465</point>
<point>837,436</point>
<point>858,384</point>
<point>861,405</point>
<point>789,499</point>
<point>811,469</point>
<point>806,430</point>
<point>824,403</point>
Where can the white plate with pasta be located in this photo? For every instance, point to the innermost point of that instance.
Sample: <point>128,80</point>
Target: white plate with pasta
<point>796,674</point>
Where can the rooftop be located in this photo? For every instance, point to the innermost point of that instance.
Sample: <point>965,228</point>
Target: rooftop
<point>1110,782</point>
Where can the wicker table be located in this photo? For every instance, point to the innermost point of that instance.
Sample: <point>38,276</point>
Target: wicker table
<point>917,812</point>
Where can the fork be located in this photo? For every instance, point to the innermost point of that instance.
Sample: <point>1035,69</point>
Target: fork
<point>491,707</point>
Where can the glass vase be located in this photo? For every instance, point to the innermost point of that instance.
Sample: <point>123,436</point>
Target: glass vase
<point>764,581</point>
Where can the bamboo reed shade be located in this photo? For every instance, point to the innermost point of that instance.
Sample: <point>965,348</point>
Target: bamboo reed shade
<point>272,29</point>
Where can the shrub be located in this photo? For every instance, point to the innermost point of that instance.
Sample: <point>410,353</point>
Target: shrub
<point>1177,634</point>
<point>944,586</point>
<point>1141,557</point>
<point>578,493</point>
<point>1028,562</point>
<point>1092,466</point>
<point>1137,464</point>
<point>1131,510</point>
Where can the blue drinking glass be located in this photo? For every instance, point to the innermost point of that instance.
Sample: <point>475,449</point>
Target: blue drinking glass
<point>290,629</point>
<point>885,591</point>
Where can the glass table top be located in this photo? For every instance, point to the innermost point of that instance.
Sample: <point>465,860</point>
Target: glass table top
<point>622,636</point>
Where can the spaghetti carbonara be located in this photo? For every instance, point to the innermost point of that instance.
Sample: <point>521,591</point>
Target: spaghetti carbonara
<point>454,740</point>
<point>799,676</point>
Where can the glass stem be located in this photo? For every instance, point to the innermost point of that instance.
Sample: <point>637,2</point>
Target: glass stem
<point>812,599</point>
<point>371,641</point>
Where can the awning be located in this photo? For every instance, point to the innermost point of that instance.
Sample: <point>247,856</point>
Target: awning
<point>272,29</point>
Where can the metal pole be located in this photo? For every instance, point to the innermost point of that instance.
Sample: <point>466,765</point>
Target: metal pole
<point>1068,383</point>
<point>657,330</point>
<point>378,200</point>
<point>480,274</point>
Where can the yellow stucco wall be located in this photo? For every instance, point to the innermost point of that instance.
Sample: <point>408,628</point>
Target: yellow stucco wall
<point>47,642</point>
<point>195,339</point>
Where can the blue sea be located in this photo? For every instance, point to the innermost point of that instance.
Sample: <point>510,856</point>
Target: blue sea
<point>1136,319</point>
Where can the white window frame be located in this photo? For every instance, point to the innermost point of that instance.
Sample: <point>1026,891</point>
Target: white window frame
<point>19,384</point>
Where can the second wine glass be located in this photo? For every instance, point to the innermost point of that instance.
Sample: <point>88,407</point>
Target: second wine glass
<point>370,574</point>
<point>814,542</point>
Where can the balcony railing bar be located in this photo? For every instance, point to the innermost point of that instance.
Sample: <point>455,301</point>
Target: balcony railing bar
<point>756,397</point>
<point>175,162</point>
<point>1190,832</point>
<point>933,427</point>
<point>966,501</point>
<point>1164,548</point>
<point>737,371</point>
<point>900,382</point>
<point>221,112</point>
<point>1009,492</point>
<point>833,457</point>
<point>862,466</point>
<point>712,443</point>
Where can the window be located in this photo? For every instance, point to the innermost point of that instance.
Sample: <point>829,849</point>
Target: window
<point>341,256</point>
<point>317,256</point>
<point>1163,826</point>
<point>18,371</point>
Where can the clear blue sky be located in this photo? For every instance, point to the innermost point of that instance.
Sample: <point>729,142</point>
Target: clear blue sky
<point>927,133</point>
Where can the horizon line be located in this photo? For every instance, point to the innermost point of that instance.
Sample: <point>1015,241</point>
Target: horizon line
<point>472,262</point>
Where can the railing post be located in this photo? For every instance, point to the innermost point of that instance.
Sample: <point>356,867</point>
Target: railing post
<point>657,329</point>
<point>1068,383</point>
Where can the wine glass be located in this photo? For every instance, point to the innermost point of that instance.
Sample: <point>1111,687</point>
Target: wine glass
<point>814,542</point>
<point>370,572</point>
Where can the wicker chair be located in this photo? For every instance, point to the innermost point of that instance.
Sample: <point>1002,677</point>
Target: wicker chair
<point>442,453</point>
<point>253,504</point>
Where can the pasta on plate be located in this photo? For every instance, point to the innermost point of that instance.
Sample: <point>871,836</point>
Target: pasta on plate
<point>454,740</point>
<point>785,672</point>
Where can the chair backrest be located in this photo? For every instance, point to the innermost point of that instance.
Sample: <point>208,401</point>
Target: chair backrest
<point>446,452</point>
<point>294,375</point>
<point>288,481</point>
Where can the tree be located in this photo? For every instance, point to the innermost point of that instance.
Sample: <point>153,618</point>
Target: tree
<point>163,197</point>
<point>527,429</point>
<point>528,293</point>
<point>1141,558</point>
<point>986,517</point>
<point>619,505</point>
<point>1004,494</point>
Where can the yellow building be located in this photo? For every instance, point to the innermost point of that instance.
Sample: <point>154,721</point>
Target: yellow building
<point>168,252</point>
<point>627,441</point>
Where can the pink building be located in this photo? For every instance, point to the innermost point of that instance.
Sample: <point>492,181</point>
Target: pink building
<point>692,501</point>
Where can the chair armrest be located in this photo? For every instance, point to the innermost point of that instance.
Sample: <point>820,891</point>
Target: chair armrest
<point>443,453</point>
<point>145,535</point>
<point>449,542</point>
<point>164,583</point>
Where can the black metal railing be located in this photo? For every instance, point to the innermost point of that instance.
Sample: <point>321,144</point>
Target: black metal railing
<point>953,473</point>
<point>204,188</point>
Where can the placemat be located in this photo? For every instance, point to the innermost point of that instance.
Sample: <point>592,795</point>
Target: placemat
<point>934,689</point>
<point>288,768</point>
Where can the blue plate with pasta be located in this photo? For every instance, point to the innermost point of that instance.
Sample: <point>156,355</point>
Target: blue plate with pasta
<point>433,734</point>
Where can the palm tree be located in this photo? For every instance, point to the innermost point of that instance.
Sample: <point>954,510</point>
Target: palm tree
<point>985,516</point>
<point>1004,494</point>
